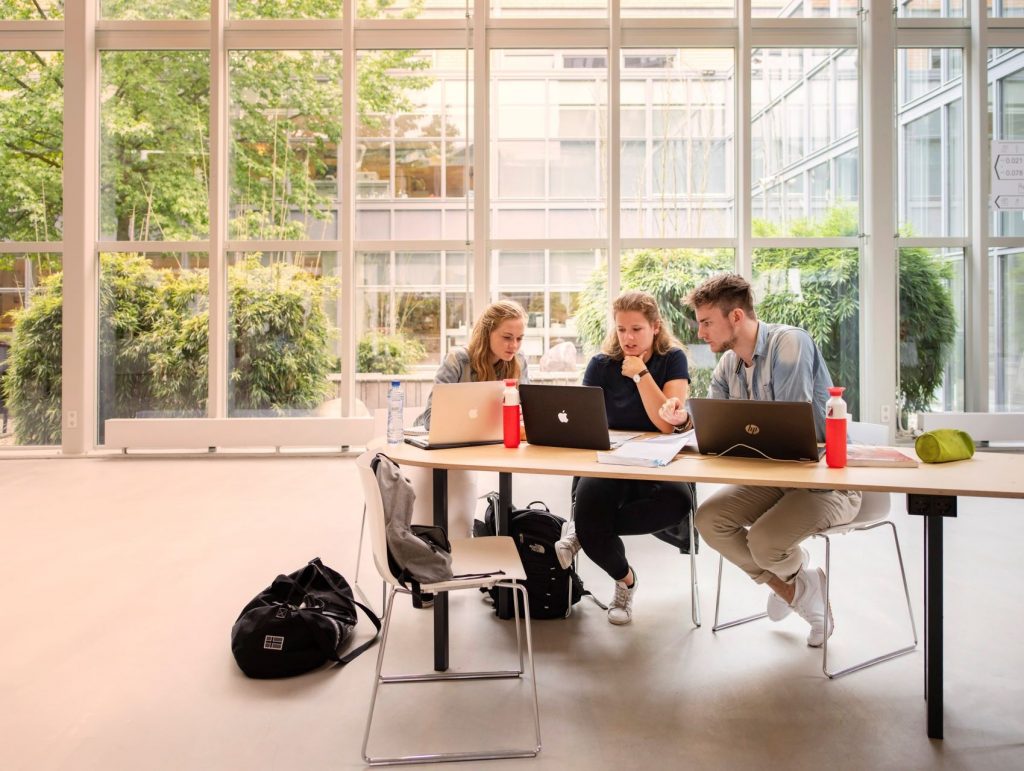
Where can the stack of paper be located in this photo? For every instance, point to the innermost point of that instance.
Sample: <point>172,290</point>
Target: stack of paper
<point>653,452</point>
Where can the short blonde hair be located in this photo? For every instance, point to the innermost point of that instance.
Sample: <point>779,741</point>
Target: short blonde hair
<point>481,358</point>
<point>644,303</point>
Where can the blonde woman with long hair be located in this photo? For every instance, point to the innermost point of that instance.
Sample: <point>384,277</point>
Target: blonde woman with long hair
<point>492,354</point>
<point>641,365</point>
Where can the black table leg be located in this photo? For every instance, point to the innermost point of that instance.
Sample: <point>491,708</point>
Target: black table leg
<point>933,508</point>
<point>501,524</point>
<point>441,600</point>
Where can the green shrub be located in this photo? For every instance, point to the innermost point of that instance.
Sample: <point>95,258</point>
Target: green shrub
<point>387,354</point>
<point>154,339</point>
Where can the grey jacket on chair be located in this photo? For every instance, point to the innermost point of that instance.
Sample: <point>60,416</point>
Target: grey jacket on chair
<point>426,563</point>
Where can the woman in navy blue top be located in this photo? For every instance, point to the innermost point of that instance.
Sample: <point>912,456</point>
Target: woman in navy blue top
<point>641,366</point>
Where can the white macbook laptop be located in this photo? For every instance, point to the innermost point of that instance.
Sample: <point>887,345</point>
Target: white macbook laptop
<point>755,429</point>
<point>463,415</point>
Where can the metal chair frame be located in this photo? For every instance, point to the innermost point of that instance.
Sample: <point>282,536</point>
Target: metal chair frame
<point>833,674</point>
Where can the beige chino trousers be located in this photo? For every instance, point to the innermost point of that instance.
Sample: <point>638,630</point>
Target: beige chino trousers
<point>759,529</point>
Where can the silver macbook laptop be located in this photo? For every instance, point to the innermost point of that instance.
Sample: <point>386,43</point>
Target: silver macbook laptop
<point>565,416</point>
<point>755,429</point>
<point>463,415</point>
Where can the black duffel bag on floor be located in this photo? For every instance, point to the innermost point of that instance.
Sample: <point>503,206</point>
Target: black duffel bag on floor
<point>298,623</point>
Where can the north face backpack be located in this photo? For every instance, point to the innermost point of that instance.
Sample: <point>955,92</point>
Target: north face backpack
<point>535,530</point>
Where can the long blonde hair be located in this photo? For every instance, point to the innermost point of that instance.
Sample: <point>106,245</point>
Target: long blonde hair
<point>481,357</point>
<point>645,303</point>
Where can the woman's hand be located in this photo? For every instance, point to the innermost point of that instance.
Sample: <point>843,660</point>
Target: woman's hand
<point>672,411</point>
<point>632,365</point>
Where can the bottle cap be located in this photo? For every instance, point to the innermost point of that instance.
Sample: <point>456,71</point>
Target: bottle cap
<point>510,381</point>
<point>396,383</point>
<point>836,390</point>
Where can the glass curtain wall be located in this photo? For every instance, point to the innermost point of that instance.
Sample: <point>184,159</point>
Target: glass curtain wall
<point>268,244</point>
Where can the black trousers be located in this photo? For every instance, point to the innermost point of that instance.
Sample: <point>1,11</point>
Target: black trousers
<point>608,508</point>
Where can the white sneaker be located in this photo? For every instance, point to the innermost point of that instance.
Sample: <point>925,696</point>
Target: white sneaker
<point>568,545</point>
<point>620,609</point>
<point>810,604</point>
<point>778,608</point>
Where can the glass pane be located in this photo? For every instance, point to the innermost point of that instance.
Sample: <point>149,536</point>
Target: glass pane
<point>154,145</point>
<point>1007,329</point>
<point>285,131</point>
<point>31,306</point>
<point>648,9</point>
<point>803,8</point>
<point>556,9</point>
<point>1006,80</point>
<point>153,336</point>
<point>32,10</point>
<point>402,326</point>
<point>134,10</point>
<point>32,154</point>
<point>677,176</point>
<point>930,8</point>
<point>548,176</point>
<point>287,9</point>
<point>413,9</point>
<point>804,106</point>
<point>283,316</point>
<point>551,286</point>
<point>931,344</point>
<point>817,290</point>
<point>411,150</point>
<point>1006,8</point>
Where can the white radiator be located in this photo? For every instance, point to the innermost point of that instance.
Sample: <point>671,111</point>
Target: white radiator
<point>204,433</point>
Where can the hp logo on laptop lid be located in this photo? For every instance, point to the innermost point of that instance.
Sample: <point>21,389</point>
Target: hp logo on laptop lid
<point>752,429</point>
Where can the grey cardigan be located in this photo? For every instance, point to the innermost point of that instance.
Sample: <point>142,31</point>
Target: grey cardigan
<point>456,369</point>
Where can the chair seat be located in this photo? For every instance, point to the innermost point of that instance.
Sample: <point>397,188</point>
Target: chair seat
<point>874,507</point>
<point>481,555</point>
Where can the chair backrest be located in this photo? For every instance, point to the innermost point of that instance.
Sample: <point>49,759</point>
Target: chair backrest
<point>375,516</point>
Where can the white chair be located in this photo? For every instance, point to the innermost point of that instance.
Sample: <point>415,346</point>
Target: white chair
<point>471,556</point>
<point>874,512</point>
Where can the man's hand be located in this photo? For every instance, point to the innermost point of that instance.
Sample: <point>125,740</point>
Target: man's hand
<point>632,365</point>
<point>672,411</point>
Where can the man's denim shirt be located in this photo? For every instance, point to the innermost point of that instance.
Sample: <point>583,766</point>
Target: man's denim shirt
<point>787,367</point>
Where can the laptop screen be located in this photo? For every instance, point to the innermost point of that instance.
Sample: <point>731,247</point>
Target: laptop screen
<point>751,428</point>
<point>565,416</point>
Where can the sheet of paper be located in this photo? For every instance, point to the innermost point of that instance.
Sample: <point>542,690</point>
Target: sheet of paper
<point>652,452</point>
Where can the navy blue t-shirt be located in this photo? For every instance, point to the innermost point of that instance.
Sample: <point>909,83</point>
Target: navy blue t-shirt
<point>622,400</point>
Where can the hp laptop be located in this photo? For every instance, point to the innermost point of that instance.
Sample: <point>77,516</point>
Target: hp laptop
<point>463,415</point>
<point>565,416</point>
<point>755,429</point>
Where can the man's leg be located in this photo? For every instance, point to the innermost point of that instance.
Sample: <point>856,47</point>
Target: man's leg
<point>724,517</point>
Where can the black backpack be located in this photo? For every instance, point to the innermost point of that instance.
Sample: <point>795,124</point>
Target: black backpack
<point>535,530</point>
<point>298,623</point>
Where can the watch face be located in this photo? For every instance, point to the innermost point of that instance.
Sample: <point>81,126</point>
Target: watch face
<point>636,378</point>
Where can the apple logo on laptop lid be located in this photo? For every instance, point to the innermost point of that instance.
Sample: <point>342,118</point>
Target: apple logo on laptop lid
<point>474,413</point>
<point>563,417</point>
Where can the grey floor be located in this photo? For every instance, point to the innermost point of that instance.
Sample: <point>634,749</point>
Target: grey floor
<point>123,577</point>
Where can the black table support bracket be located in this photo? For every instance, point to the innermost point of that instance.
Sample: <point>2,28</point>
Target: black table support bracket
<point>933,508</point>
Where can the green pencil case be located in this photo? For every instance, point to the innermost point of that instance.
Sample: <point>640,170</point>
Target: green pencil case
<point>944,445</point>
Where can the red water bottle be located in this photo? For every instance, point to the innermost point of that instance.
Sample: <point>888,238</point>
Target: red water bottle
<point>835,429</point>
<point>510,414</point>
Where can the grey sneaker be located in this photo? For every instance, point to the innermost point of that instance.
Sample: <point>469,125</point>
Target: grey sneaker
<point>810,604</point>
<point>568,545</point>
<point>778,608</point>
<point>620,609</point>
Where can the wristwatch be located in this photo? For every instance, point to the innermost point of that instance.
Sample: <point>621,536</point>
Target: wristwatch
<point>638,375</point>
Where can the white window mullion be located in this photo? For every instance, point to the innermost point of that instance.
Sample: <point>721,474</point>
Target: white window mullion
<point>879,277</point>
<point>347,313</point>
<point>217,391</point>
<point>481,143</point>
<point>743,259</point>
<point>81,272</point>
<point>976,300</point>
<point>613,155</point>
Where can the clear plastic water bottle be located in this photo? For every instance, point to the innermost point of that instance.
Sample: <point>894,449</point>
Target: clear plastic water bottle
<point>835,429</point>
<point>396,420</point>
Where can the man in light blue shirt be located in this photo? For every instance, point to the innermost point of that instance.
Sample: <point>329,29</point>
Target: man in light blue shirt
<point>760,529</point>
